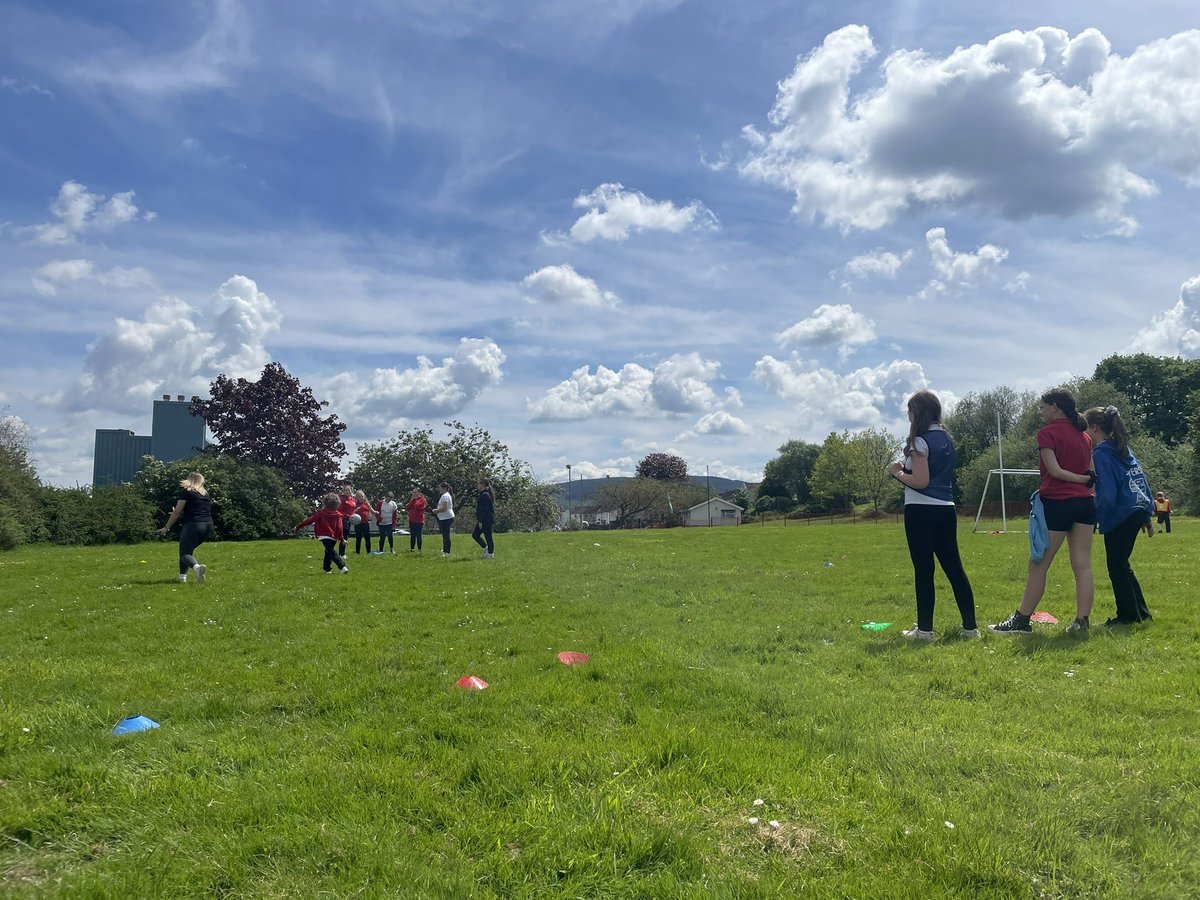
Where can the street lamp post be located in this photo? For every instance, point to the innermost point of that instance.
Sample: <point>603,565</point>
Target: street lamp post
<point>568,495</point>
<point>708,488</point>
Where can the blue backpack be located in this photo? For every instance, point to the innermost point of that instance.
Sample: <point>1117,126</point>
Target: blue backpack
<point>1039,535</point>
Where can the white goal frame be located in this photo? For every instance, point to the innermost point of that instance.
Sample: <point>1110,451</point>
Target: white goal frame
<point>1003,505</point>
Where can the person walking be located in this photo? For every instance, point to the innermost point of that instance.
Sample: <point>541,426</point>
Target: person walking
<point>445,515</point>
<point>389,511</point>
<point>1122,507</point>
<point>485,518</point>
<point>327,528</point>
<point>362,528</point>
<point>415,508</point>
<point>930,518</point>
<point>194,507</point>
<point>1162,509</point>
<point>1064,459</point>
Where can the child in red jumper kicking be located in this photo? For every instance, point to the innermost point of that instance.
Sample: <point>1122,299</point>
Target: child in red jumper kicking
<point>327,528</point>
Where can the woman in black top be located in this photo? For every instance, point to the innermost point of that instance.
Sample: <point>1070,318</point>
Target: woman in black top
<point>194,507</point>
<point>485,518</point>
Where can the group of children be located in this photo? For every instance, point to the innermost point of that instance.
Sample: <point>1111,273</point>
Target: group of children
<point>350,512</point>
<point>1090,480</point>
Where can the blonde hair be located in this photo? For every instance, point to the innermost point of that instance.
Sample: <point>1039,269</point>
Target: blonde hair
<point>360,495</point>
<point>194,482</point>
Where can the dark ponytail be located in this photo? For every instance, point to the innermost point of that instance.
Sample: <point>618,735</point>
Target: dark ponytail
<point>1108,420</point>
<point>1065,401</point>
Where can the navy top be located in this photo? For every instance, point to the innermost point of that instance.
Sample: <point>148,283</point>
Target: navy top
<point>197,507</point>
<point>485,507</point>
<point>941,466</point>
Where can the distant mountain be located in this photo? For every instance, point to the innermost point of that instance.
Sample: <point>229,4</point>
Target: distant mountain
<point>583,488</point>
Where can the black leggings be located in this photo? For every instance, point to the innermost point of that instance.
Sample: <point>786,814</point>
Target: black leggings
<point>331,558</point>
<point>1118,547</point>
<point>444,525</point>
<point>484,529</point>
<point>933,531</point>
<point>347,528</point>
<point>414,535</point>
<point>385,532</point>
<point>191,536</point>
<point>362,532</point>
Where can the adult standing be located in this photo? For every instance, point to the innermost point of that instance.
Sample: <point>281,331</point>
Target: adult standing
<point>1162,509</point>
<point>1064,458</point>
<point>485,518</point>
<point>1122,506</point>
<point>415,508</point>
<point>347,506</point>
<point>362,528</point>
<point>445,515</point>
<point>389,509</point>
<point>194,507</point>
<point>930,518</point>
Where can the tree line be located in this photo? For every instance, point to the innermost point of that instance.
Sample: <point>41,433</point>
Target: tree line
<point>1159,398</point>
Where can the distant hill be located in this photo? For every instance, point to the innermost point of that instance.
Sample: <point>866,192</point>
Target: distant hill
<point>583,488</point>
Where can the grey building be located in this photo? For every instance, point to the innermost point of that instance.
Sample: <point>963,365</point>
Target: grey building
<point>174,434</point>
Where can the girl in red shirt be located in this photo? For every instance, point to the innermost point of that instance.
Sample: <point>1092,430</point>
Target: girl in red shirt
<point>415,508</point>
<point>362,530</point>
<point>327,528</point>
<point>1065,461</point>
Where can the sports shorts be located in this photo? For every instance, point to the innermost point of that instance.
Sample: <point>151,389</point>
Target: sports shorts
<point>1063,515</point>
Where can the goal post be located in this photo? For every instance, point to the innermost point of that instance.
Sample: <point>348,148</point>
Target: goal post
<point>1003,505</point>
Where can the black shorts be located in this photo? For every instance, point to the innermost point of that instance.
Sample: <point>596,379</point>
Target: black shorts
<point>1063,515</point>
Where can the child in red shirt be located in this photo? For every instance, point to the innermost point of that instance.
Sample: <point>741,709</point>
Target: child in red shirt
<point>415,508</point>
<point>327,528</point>
<point>347,507</point>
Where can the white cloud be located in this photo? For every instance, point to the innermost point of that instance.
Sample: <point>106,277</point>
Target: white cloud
<point>719,422</point>
<point>609,468</point>
<point>1177,331</point>
<point>677,385</point>
<point>828,325</point>
<point>176,349</point>
<point>63,272</point>
<point>613,213</point>
<point>21,86</point>
<point>1030,123</point>
<point>563,285</point>
<point>426,391</point>
<point>869,396</point>
<point>958,270</point>
<point>1019,284</point>
<point>79,210</point>
<point>878,263</point>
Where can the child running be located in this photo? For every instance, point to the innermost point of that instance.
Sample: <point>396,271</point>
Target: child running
<point>930,520</point>
<point>327,528</point>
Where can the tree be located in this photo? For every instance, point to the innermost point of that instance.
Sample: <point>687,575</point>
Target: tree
<point>787,475</point>
<point>872,450</point>
<point>834,478</point>
<point>276,421</point>
<point>1158,388</point>
<point>20,512</point>
<point>631,498</point>
<point>663,467</point>
<point>414,458</point>
<point>973,422</point>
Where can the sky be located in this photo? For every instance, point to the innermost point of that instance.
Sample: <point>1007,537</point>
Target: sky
<point>598,230</point>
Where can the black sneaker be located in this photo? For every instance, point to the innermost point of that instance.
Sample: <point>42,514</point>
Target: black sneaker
<point>1079,626</point>
<point>1014,624</point>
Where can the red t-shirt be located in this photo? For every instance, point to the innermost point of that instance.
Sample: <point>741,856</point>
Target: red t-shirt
<point>416,510</point>
<point>348,506</point>
<point>1073,450</point>
<point>327,524</point>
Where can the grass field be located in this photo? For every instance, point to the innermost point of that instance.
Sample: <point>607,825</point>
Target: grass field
<point>313,744</point>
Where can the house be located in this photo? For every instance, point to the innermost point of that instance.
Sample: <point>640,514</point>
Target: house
<point>715,511</point>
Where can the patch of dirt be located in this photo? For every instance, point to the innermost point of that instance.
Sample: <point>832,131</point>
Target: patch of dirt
<point>20,874</point>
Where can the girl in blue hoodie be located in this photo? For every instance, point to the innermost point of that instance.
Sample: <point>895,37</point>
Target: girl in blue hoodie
<point>1123,504</point>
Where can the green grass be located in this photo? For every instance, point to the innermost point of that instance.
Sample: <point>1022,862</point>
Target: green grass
<point>312,742</point>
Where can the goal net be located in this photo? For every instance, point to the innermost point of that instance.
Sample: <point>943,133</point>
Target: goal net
<point>1003,505</point>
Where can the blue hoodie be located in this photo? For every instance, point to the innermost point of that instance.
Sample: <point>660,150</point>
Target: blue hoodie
<point>1121,488</point>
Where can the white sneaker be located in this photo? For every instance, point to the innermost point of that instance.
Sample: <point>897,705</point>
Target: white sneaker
<point>329,571</point>
<point>183,579</point>
<point>345,571</point>
<point>445,554</point>
<point>199,569</point>
<point>970,632</point>
<point>916,634</point>
<point>489,556</point>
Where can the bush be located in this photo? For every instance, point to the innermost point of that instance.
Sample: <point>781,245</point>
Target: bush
<point>12,532</point>
<point>116,514</point>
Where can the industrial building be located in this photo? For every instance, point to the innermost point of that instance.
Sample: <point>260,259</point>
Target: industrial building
<point>174,434</point>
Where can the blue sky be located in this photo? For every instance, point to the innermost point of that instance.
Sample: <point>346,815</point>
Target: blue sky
<point>598,230</point>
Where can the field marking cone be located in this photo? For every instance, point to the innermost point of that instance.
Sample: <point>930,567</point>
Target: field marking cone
<point>134,724</point>
<point>572,658</point>
<point>471,683</point>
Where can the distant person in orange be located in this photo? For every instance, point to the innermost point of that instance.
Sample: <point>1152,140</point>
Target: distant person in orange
<point>1162,509</point>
